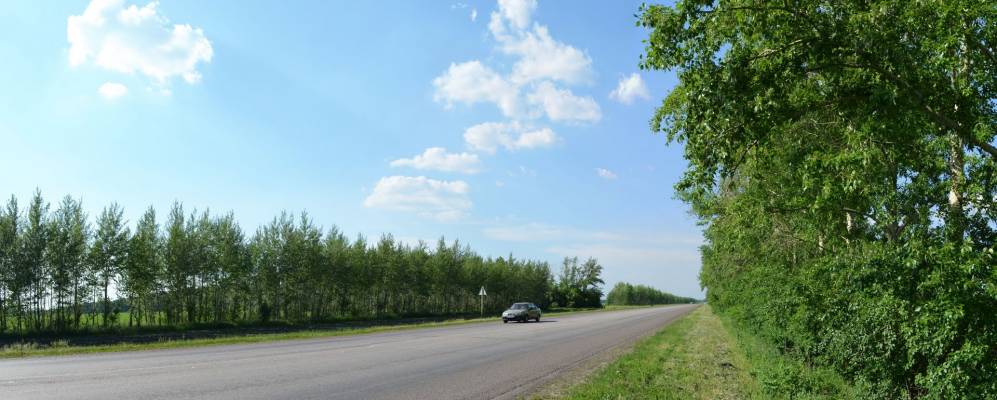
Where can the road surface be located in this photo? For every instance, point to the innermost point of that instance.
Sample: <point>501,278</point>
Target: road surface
<point>474,361</point>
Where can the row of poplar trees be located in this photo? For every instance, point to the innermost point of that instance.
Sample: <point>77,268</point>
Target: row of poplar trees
<point>842,159</point>
<point>626,294</point>
<point>59,273</point>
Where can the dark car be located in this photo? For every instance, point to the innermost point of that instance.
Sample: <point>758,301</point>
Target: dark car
<point>522,312</point>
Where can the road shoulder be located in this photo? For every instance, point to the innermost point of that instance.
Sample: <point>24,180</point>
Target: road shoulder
<point>693,357</point>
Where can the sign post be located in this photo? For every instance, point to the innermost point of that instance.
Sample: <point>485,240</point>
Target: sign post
<point>481,295</point>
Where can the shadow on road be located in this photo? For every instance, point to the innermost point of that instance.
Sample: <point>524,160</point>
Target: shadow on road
<point>534,322</point>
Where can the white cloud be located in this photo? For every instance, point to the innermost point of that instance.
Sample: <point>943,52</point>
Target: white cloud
<point>136,39</point>
<point>562,105</point>
<point>542,57</point>
<point>472,82</point>
<point>489,136</point>
<point>538,60</point>
<point>112,90</point>
<point>523,171</point>
<point>441,200</point>
<point>629,89</point>
<point>517,12</point>
<point>474,14</point>
<point>437,158</point>
<point>605,173</point>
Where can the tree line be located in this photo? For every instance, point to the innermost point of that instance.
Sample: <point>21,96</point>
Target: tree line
<point>60,273</point>
<point>625,294</point>
<point>842,159</point>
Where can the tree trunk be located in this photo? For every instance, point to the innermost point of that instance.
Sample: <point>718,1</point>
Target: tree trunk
<point>956,223</point>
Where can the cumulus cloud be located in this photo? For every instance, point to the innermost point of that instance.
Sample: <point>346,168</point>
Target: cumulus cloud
<point>440,200</point>
<point>472,82</point>
<point>517,12</point>
<point>542,57</point>
<point>136,39</point>
<point>489,136</point>
<point>562,105</point>
<point>437,158</point>
<point>112,90</point>
<point>539,61</point>
<point>605,173</point>
<point>629,89</point>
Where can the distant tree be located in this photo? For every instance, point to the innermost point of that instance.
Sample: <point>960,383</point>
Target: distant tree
<point>108,254</point>
<point>626,294</point>
<point>579,285</point>
<point>67,251</point>
<point>57,274</point>
<point>143,267</point>
<point>176,263</point>
<point>31,271</point>
<point>10,288</point>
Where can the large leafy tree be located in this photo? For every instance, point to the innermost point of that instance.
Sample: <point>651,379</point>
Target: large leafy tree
<point>842,157</point>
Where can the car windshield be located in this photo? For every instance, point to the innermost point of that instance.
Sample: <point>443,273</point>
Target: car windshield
<point>518,306</point>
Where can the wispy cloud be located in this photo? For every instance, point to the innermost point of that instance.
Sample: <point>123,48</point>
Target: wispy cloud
<point>605,173</point>
<point>446,201</point>
<point>438,159</point>
<point>112,90</point>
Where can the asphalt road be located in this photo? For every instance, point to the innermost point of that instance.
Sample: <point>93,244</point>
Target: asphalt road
<point>474,361</point>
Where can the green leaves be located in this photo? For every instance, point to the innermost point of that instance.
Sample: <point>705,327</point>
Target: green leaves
<point>840,155</point>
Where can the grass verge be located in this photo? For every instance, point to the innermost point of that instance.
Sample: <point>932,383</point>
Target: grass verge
<point>30,349</point>
<point>698,357</point>
<point>692,358</point>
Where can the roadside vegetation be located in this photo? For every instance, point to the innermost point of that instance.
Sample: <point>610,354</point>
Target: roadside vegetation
<point>60,275</point>
<point>698,357</point>
<point>842,160</point>
<point>626,294</point>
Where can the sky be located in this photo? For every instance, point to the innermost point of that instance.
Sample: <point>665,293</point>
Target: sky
<point>516,127</point>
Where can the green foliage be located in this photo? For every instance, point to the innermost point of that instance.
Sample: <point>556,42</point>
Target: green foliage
<point>692,358</point>
<point>639,295</point>
<point>841,159</point>
<point>56,274</point>
<point>579,285</point>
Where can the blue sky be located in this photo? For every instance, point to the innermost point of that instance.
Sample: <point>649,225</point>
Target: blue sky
<point>521,130</point>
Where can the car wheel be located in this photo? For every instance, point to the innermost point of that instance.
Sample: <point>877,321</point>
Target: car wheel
<point>538,318</point>
<point>505,321</point>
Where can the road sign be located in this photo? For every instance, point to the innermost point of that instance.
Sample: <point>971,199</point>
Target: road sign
<point>482,299</point>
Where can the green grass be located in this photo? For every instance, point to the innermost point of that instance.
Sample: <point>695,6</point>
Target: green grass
<point>784,377</point>
<point>698,357</point>
<point>62,348</point>
<point>693,358</point>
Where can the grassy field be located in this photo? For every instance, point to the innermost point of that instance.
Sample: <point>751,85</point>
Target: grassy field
<point>698,357</point>
<point>62,348</point>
